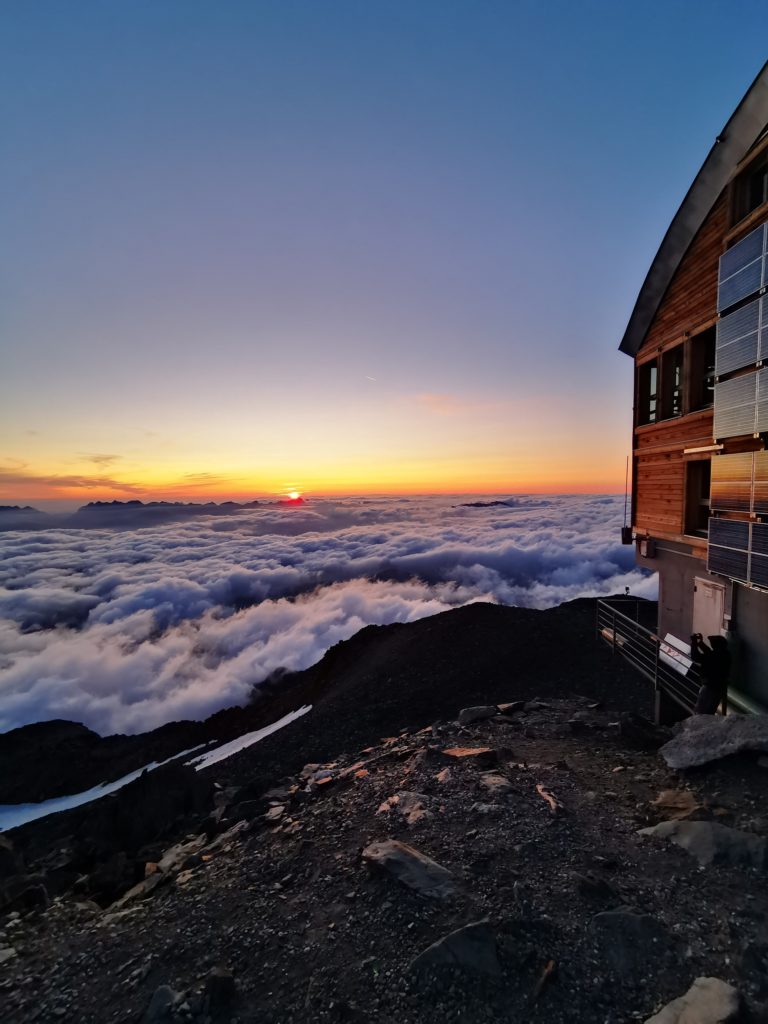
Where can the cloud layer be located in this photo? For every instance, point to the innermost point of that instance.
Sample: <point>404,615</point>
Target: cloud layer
<point>125,629</point>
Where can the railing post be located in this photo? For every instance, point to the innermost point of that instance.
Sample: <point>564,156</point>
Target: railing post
<point>657,646</point>
<point>613,630</point>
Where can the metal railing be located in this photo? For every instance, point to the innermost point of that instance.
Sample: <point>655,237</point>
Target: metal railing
<point>625,634</point>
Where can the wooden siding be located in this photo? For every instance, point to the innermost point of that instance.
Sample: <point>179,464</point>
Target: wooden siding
<point>659,505</point>
<point>691,299</point>
<point>689,305</point>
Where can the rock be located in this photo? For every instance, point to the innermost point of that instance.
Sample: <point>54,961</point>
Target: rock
<point>705,738</point>
<point>490,810</point>
<point>274,813</point>
<point>511,707</point>
<point>628,940</point>
<point>178,856</point>
<point>411,868</point>
<point>443,776</point>
<point>141,890</point>
<point>641,732</point>
<point>707,1001</point>
<point>7,954</point>
<point>496,784</point>
<point>483,757</point>
<point>412,806</point>
<point>712,843</point>
<point>676,804</point>
<point>220,992</point>
<point>471,948</point>
<point>160,1005</point>
<point>478,714</point>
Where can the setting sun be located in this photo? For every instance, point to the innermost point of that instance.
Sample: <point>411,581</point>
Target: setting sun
<point>294,495</point>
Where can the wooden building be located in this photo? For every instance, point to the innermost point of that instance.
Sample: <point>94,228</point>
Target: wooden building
<point>699,337</point>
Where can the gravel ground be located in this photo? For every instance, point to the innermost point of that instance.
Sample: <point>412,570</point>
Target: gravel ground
<point>310,931</point>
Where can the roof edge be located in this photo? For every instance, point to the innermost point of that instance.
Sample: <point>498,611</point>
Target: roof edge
<point>730,147</point>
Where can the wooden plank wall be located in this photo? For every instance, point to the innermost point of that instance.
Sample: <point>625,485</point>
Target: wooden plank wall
<point>689,304</point>
<point>691,298</point>
<point>660,470</point>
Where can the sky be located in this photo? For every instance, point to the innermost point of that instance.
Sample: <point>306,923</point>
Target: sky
<point>251,248</point>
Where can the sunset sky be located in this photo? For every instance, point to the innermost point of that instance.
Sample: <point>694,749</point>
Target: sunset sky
<point>335,247</point>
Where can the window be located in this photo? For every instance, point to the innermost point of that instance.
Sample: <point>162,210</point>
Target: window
<point>647,392</point>
<point>697,483</point>
<point>672,383</point>
<point>751,188</point>
<point>702,379</point>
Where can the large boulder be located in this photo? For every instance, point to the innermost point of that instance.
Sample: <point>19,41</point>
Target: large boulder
<point>712,843</point>
<point>411,868</point>
<point>707,1001</point>
<point>704,738</point>
<point>477,714</point>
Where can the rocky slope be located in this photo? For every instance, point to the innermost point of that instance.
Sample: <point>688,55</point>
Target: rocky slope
<point>382,679</point>
<point>388,858</point>
<point>489,867</point>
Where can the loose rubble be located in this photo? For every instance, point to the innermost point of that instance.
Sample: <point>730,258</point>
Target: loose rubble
<point>488,871</point>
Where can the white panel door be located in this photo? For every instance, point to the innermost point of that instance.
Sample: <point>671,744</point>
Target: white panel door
<point>708,607</point>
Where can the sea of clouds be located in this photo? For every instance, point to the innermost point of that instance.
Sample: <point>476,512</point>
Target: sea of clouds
<point>127,628</point>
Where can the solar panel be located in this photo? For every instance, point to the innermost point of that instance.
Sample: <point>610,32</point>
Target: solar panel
<point>735,406</point>
<point>727,562</point>
<point>743,268</point>
<point>758,570</point>
<point>760,485</point>
<point>729,533</point>
<point>738,339</point>
<point>759,539</point>
<point>761,413</point>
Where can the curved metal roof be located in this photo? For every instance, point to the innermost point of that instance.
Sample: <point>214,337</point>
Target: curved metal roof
<point>733,143</point>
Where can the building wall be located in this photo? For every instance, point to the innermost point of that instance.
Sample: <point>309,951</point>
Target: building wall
<point>750,642</point>
<point>659,472</point>
<point>691,299</point>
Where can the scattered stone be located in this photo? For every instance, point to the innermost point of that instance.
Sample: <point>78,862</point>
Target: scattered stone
<point>705,738</point>
<point>412,806</point>
<point>160,1005</point>
<point>512,707</point>
<point>496,784</point>
<point>676,804</point>
<point>7,954</point>
<point>628,940</point>
<point>707,1001</point>
<point>482,756</point>
<point>444,776</point>
<point>274,813</point>
<point>712,843</point>
<point>141,890</point>
<point>490,810</point>
<point>411,868</point>
<point>478,714</point>
<point>471,948</point>
<point>180,855</point>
